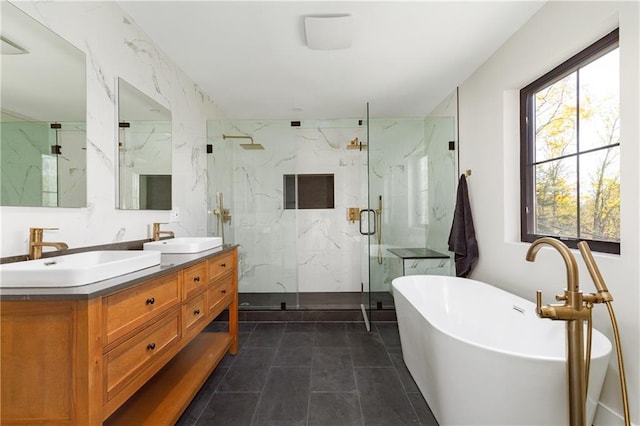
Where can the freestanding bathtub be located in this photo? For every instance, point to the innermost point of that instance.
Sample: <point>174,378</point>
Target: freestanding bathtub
<point>481,355</point>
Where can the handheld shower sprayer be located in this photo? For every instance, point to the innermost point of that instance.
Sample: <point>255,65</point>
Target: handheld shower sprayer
<point>223,216</point>
<point>605,297</point>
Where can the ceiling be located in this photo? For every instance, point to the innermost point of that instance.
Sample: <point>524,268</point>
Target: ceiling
<point>251,58</point>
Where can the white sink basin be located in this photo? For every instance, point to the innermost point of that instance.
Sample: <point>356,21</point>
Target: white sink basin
<point>78,269</point>
<point>184,244</point>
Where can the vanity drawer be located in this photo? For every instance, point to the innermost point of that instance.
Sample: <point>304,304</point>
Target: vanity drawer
<point>220,294</point>
<point>193,313</point>
<point>220,266</point>
<point>124,362</point>
<point>128,309</point>
<point>195,279</point>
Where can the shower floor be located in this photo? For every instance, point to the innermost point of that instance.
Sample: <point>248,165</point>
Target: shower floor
<point>314,301</point>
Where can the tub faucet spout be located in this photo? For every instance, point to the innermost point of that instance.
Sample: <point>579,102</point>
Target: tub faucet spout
<point>567,256</point>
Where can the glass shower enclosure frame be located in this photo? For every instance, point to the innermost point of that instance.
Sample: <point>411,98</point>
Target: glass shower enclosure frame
<point>398,175</point>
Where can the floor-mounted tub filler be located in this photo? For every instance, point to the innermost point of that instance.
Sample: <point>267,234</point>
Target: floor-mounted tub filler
<point>481,355</point>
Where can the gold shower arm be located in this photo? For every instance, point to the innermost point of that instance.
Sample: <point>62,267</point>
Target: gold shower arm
<point>250,145</point>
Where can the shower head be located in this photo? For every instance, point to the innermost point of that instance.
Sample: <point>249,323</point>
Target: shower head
<point>244,145</point>
<point>251,146</point>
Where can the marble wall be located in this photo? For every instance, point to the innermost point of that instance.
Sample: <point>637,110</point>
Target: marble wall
<point>32,175</point>
<point>440,129</point>
<point>286,250</point>
<point>21,150</point>
<point>319,250</point>
<point>72,165</point>
<point>398,166</point>
<point>145,150</point>
<point>116,47</point>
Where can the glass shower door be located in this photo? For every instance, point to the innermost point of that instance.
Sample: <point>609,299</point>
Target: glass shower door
<point>251,182</point>
<point>411,179</point>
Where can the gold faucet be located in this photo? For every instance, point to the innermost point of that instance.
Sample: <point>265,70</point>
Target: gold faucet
<point>157,231</point>
<point>36,243</point>
<point>576,309</point>
<point>574,312</point>
<point>223,216</point>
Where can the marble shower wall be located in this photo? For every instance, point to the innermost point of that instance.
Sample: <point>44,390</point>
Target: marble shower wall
<point>116,47</point>
<point>145,150</point>
<point>285,250</point>
<point>398,173</point>
<point>72,165</point>
<point>319,250</point>
<point>22,162</point>
<point>440,128</point>
<point>442,180</point>
<point>26,157</point>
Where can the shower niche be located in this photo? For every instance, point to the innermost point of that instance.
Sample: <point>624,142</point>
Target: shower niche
<point>308,191</point>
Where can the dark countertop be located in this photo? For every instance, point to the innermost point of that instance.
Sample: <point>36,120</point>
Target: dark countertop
<point>417,253</point>
<point>168,263</point>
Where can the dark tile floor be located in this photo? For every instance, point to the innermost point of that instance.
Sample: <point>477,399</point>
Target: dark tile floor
<point>311,374</point>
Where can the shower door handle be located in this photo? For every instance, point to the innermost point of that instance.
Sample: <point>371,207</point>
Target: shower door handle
<point>368,231</point>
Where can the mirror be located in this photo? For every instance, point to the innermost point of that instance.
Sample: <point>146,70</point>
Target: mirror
<point>42,116</point>
<point>144,151</point>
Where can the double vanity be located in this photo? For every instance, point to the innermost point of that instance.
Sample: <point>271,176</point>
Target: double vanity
<point>78,348</point>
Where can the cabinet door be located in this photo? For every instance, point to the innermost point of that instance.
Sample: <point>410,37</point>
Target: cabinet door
<point>38,348</point>
<point>126,310</point>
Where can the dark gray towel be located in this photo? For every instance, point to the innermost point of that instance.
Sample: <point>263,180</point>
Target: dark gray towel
<point>462,239</point>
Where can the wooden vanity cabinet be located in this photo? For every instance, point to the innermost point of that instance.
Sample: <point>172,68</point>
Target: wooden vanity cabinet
<point>134,356</point>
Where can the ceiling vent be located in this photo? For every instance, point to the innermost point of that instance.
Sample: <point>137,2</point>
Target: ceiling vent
<point>328,32</point>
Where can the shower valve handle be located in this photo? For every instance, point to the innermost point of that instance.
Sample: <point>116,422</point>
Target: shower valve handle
<point>545,311</point>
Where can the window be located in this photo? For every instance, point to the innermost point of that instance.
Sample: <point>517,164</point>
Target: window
<point>570,150</point>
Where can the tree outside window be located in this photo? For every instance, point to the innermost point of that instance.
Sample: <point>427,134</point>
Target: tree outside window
<point>570,120</point>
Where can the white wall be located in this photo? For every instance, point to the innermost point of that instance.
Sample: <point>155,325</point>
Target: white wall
<point>115,47</point>
<point>489,145</point>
